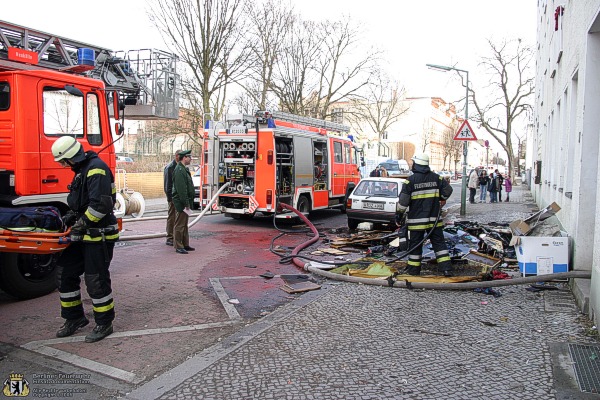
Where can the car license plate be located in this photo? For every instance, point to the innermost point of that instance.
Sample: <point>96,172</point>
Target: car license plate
<point>373,206</point>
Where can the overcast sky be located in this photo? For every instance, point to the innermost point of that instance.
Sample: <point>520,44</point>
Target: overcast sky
<point>411,33</point>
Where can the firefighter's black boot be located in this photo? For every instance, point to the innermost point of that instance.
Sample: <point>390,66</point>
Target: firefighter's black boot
<point>71,325</point>
<point>413,270</point>
<point>99,333</point>
<point>448,273</point>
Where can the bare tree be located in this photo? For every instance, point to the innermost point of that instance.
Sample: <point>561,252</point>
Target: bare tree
<point>267,41</point>
<point>378,106</point>
<point>426,134</point>
<point>321,64</point>
<point>511,85</point>
<point>294,74</point>
<point>208,36</point>
<point>456,155</point>
<point>451,147</point>
<point>344,67</point>
<point>447,141</point>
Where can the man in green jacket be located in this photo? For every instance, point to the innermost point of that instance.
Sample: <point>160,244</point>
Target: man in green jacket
<point>168,183</point>
<point>183,199</point>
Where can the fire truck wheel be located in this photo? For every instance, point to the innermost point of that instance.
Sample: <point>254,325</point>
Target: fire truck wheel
<point>353,223</point>
<point>304,205</point>
<point>26,276</point>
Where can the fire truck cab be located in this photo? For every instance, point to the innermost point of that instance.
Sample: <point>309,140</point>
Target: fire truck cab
<point>52,87</point>
<point>276,157</point>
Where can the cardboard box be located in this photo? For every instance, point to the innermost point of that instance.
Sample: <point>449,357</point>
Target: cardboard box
<point>542,255</point>
<point>522,228</point>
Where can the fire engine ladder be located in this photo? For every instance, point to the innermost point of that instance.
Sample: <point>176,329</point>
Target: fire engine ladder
<point>318,123</point>
<point>147,78</point>
<point>212,166</point>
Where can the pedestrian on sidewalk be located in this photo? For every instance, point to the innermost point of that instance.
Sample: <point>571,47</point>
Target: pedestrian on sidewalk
<point>183,199</point>
<point>472,185</point>
<point>499,181</point>
<point>492,188</point>
<point>168,187</point>
<point>484,180</point>
<point>507,187</point>
<point>423,194</point>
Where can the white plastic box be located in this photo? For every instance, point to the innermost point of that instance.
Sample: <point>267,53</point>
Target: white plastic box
<point>542,255</point>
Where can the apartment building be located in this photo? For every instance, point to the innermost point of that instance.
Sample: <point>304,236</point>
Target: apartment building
<point>564,143</point>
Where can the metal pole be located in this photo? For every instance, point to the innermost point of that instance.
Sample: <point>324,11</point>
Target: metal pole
<point>463,193</point>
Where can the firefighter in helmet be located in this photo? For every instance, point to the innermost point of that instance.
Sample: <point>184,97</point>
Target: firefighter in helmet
<point>94,232</point>
<point>423,194</point>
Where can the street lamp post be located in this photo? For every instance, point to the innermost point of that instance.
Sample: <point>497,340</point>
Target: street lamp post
<point>463,192</point>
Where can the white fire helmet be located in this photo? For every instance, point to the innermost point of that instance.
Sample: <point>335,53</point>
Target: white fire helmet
<point>421,159</point>
<point>65,147</point>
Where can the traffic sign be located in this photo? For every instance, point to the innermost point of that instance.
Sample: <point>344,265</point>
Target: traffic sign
<point>465,132</point>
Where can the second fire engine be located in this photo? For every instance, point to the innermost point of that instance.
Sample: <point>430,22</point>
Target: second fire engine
<point>276,157</point>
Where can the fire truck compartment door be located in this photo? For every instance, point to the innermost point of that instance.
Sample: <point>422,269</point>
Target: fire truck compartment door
<point>265,172</point>
<point>338,168</point>
<point>303,165</point>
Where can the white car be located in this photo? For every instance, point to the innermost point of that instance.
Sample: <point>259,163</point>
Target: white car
<point>373,200</point>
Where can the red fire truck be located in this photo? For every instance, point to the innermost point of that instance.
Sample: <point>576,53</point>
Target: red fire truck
<point>51,87</point>
<point>269,158</point>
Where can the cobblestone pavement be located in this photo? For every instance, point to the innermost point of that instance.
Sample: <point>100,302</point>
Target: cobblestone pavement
<point>350,341</point>
<point>361,342</point>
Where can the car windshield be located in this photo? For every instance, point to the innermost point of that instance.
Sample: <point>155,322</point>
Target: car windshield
<point>377,188</point>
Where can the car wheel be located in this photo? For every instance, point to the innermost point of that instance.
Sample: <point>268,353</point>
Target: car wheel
<point>353,223</point>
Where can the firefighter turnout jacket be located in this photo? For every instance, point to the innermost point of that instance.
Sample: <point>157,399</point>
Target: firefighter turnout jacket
<point>92,196</point>
<point>421,194</point>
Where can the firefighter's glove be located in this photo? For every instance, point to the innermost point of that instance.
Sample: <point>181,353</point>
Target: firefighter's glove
<point>69,218</point>
<point>78,230</point>
<point>442,203</point>
<point>399,219</point>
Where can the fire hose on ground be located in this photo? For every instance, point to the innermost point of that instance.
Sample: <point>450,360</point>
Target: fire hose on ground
<point>404,284</point>
<point>164,234</point>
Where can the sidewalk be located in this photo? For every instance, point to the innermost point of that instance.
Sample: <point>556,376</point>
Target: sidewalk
<point>350,341</point>
<point>521,205</point>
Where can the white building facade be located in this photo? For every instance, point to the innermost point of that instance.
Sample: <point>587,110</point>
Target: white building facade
<point>562,151</point>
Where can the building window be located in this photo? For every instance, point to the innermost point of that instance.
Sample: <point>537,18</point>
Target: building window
<point>337,115</point>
